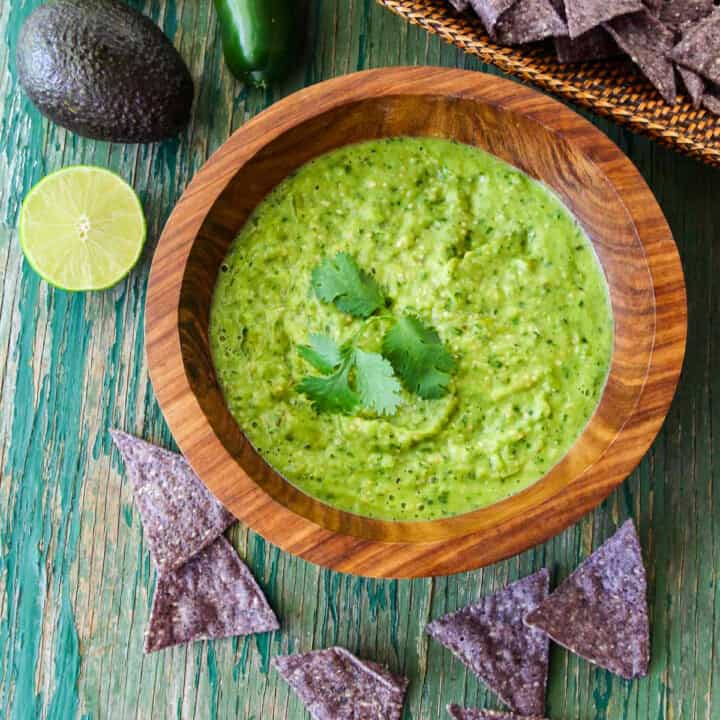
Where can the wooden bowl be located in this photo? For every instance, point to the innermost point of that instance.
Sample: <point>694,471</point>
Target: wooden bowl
<point>529,130</point>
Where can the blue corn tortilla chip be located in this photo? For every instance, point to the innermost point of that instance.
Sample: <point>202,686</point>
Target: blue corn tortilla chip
<point>600,611</point>
<point>335,685</point>
<point>459,713</point>
<point>694,85</point>
<point>528,21</point>
<point>648,43</point>
<point>214,595</point>
<point>492,640</point>
<point>595,44</point>
<point>681,14</point>
<point>711,100</point>
<point>460,5</point>
<point>180,516</point>
<point>699,48</point>
<point>584,15</point>
<point>489,11</point>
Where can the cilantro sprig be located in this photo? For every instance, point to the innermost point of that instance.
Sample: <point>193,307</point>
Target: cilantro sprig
<point>351,378</point>
<point>412,352</point>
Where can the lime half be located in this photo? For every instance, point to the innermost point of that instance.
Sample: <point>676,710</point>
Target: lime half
<point>82,228</point>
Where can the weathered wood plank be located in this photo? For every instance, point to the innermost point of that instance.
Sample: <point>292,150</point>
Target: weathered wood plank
<point>75,577</point>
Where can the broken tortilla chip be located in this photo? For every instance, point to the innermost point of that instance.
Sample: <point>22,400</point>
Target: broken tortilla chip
<point>584,15</point>
<point>335,685</point>
<point>528,21</point>
<point>492,640</point>
<point>460,713</point>
<point>460,5</point>
<point>214,595</point>
<point>648,42</point>
<point>699,48</point>
<point>180,516</point>
<point>600,611</point>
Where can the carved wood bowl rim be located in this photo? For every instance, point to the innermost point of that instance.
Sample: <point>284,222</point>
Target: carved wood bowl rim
<point>632,239</point>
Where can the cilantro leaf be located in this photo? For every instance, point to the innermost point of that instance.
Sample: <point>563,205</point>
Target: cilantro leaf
<point>377,385</point>
<point>322,353</point>
<point>418,357</point>
<point>374,385</point>
<point>333,392</point>
<point>339,280</point>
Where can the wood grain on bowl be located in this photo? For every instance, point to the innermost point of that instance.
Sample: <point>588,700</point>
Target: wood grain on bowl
<point>532,132</point>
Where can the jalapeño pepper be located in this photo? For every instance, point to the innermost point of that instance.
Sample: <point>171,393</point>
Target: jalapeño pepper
<point>259,38</point>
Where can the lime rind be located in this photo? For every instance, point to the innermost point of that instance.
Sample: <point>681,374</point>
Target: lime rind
<point>50,225</point>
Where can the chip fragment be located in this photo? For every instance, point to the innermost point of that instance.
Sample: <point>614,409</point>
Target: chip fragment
<point>711,100</point>
<point>528,21</point>
<point>595,44</point>
<point>584,15</point>
<point>459,713</point>
<point>694,85</point>
<point>648,42</point>
<point>491,639</point>
<point>489,11</point>
<point>681,14</point>
<point>600,611</point>
<point>654,6</point>
<point>335,685</point>
<point>699,48</point>
<point>214,595</point>
<point>180,516</point>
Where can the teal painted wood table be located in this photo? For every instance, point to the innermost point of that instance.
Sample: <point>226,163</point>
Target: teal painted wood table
<point>76,580</point>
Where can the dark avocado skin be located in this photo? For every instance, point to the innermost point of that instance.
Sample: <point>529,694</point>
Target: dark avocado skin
<point>104,71</point>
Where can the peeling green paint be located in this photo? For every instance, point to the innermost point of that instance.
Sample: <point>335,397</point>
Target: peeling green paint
<point>212,676</point>
<point>64,702</point>
<point>25,547</point>
<point>263,643</point>
<point>240,667</point>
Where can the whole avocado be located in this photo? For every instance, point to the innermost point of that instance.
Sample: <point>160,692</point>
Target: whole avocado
<point>104,71</point>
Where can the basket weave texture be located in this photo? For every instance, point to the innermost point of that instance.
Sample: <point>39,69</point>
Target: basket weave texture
<point>614,88</point>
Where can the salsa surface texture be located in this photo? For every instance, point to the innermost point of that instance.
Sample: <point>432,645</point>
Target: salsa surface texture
<point>474,247</point>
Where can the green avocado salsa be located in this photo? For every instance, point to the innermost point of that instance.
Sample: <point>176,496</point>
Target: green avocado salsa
<point>487,256</point>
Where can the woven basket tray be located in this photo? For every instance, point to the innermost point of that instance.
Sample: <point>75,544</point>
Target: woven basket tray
<point>614,88</point>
